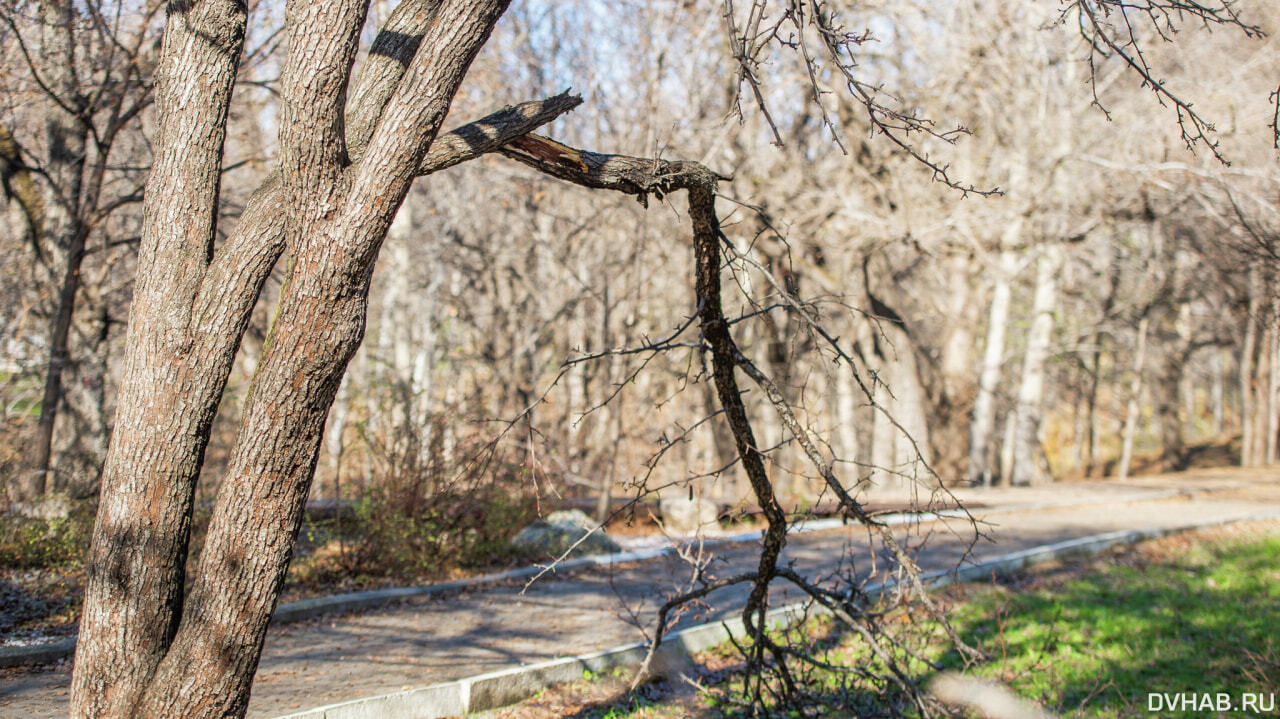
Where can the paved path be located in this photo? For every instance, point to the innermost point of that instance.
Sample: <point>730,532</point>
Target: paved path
<point>420,642</point>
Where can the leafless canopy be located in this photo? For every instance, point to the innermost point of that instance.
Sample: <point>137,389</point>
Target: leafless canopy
<point>1119,28</point>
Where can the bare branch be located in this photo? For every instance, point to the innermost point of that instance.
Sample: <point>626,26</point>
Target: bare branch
<point>1108,26</point>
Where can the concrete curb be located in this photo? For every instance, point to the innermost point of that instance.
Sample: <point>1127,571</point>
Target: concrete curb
<point>307,608</point>
<point>37,653</point>
<point>487,692</point>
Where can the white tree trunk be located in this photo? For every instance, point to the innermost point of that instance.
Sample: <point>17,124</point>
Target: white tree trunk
<point>847,413</point>
<point>984,406</point>
<point>333,437</point>
<point>899,431</point>
<point>1006,445</point>
<point>1030,410</point>
<point>1247,422</point>
<point>1273,390</point>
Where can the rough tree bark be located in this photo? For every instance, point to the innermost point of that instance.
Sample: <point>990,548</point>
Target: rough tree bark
<point>142,652</point>
<point>135,582</point>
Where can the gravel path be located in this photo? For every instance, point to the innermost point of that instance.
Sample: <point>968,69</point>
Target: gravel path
<point>420,642</point>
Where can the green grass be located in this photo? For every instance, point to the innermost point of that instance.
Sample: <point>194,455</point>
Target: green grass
<point>1204,621</point>
<point>1090,639</point>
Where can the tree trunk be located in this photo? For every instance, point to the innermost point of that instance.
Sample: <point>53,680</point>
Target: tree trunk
<point>1218,390</point>
<point>1027,467</point>
<point>1007,442</point>
<point>1091,449</point>
<point>1169,412</point>
<point>1135,394</point>
<point>847,414</point>
<point>63,232</point>
<point>984,406</point>
<point>1272,349</point>
<point>134,657</point>
<point>1186,379</point>
<point>81,435</point>
<point>167,401</point>
<point>951,386</point>
<point>1248,438</point>
<point>334,443</point>
<point>1089,452</point>
<point>899,433</point>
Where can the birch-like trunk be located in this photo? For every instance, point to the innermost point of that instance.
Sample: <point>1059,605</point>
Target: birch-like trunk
<point>1248,437</point>
<point>984,406</point>
<point>1027,469</point>
<point>1273,388</point>
<point>847,401</point>
<point>1007,442</point>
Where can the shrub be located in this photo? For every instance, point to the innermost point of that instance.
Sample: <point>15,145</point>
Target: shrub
<point>398,529</point>
<point>27,543</point>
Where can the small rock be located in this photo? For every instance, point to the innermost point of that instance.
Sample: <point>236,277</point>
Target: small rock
<point>556,532</point>
<point>54,506</point>
<point>689,516</point>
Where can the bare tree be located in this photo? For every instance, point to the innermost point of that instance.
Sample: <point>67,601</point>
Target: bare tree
<point>89,66</point>
<point>344,169</point>
<point>348,150</point>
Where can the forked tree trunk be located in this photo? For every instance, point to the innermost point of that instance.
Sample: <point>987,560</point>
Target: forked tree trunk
<point>134,589</point>
<point>141,651</point>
